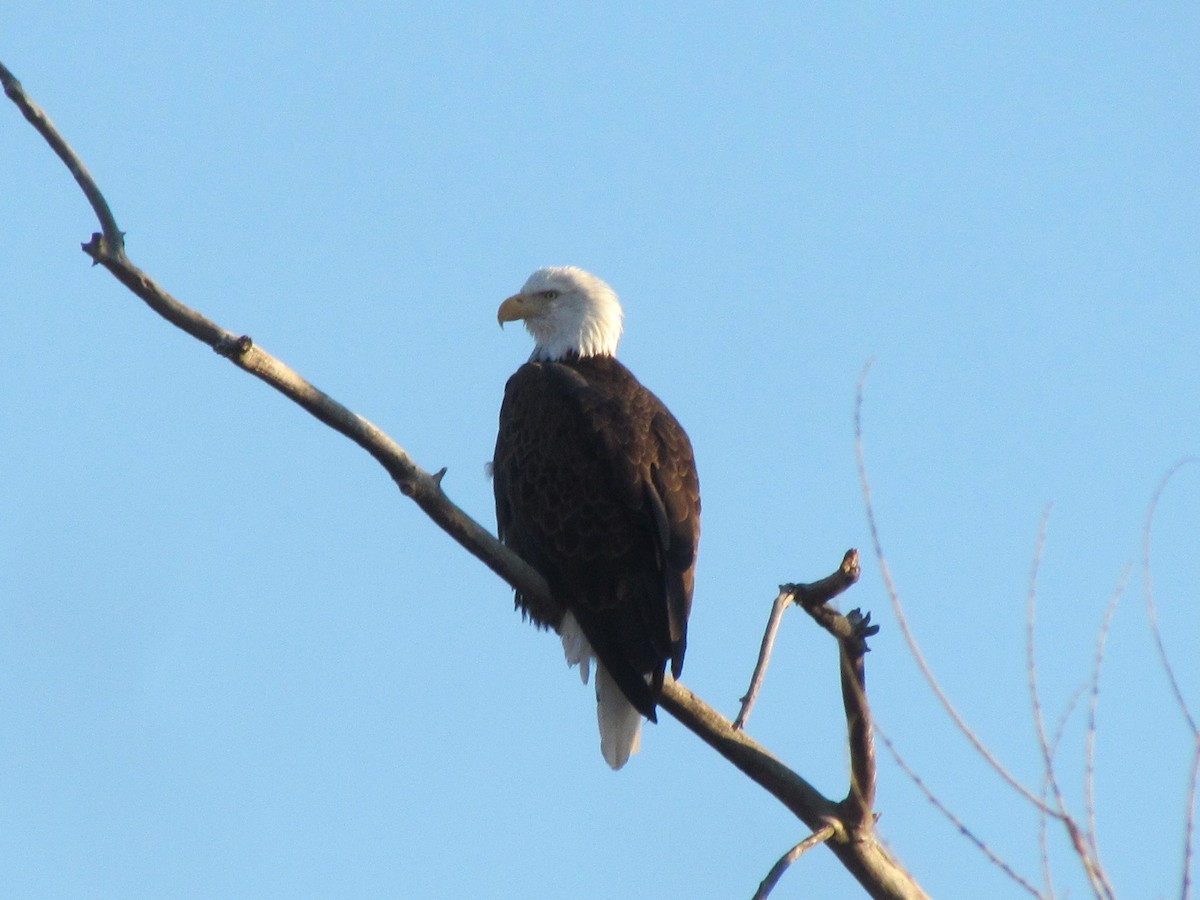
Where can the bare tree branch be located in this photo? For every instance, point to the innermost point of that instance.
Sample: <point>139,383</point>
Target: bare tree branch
<point>1035,702</point>
<point>1189,828</point>
<point>859,803</point>
<point>785,861</point>
<point>782,601</point>
<point>861,853</point>
<point>1089,773</point>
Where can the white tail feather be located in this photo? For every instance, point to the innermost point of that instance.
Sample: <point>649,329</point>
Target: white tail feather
<point>620,723</point>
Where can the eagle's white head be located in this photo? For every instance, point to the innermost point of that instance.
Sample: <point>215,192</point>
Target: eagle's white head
<point>567,310</point>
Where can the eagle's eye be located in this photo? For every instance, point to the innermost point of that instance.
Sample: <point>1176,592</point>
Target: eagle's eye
<point>548,295</point>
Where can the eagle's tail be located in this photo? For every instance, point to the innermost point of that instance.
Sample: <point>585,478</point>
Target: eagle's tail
<point>620,722</point>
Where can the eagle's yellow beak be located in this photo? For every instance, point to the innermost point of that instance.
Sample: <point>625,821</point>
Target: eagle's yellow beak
<point>520,306</point>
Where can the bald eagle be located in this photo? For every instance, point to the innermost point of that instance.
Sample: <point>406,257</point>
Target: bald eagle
<point>596,488</point>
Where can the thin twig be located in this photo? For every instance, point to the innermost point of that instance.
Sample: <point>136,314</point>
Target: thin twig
<point>768,884</point>
<point>1089,773</point>
<point>954,820</point>
<point>1189,823</point>
<point>1035,702</point>
<point>1081,840</point>
<point>1149,590</point>
<point>1043,821</point>
<point>782,600</point>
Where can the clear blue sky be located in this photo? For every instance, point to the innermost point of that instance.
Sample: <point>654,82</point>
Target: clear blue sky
<point>235,662</point>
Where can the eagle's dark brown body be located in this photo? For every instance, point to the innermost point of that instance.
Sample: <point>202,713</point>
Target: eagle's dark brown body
<point>596,488</point>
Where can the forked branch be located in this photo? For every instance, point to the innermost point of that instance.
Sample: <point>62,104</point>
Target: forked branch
<point>851,631</point>
<point>808,595</point>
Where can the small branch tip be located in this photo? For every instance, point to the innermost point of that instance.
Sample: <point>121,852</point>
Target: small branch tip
<point>851,566</point>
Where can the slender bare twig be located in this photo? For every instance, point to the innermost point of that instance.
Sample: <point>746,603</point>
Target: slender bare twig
<point>863,856</point>
<point>1043,821</point>
<point>768,884</point>
<point>1189,825</point>
<point>902,620</point>
<point>816,593</point>
<point>1030,653</point>
<point>1151,610</point>
<point>954,820</point>
<point>1089,773</point>
<point>1035,702</point>
<point>1081,839</point>
<point>782,600</point>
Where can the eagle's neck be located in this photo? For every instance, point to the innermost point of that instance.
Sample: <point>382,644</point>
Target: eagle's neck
<point>567,357</point>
